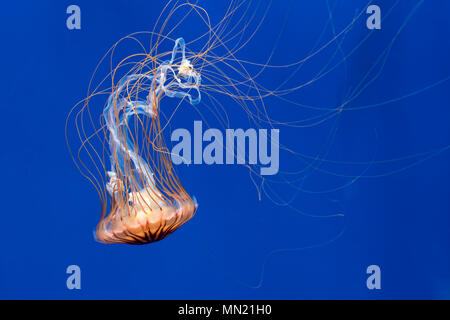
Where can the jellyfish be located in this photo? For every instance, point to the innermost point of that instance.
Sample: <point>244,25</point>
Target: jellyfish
<point>148,201</point>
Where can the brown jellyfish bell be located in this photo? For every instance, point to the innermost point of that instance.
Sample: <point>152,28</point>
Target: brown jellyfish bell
<point>144,220</point>
<point>147,201</point>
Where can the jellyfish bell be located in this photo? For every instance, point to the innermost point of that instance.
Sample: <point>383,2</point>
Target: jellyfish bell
<point>147,201</point>
<point>145,221</point>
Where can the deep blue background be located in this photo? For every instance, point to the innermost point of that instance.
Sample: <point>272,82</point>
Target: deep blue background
<point>398,221</point>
